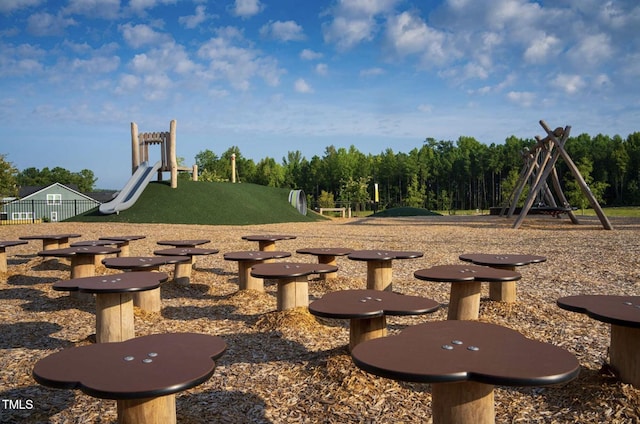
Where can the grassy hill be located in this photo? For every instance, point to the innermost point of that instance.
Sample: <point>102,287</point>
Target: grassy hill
<point>197,202</point>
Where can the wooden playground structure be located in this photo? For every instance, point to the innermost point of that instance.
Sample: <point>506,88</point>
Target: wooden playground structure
<point>538,170</point>
<point>140,143</point>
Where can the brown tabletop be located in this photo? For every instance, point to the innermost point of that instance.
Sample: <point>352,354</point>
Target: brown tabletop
<point>3,249</point>
<point>367,309</point>
<point>466,359</point>
<point>267,241</point>
<point>148,300</point>
<point>114,300</point>
<point>623,313</point>
<point>248,258</point>
<point>379,265</point>
<point>83,262</point>
<point>52,241</point>
<point>502,292</point>
<point>125,240</point>
<point>326,255</point>
<point>293,287</point>
<point>464,299</point>
<point>182,243</point>
<point>142,374</point>
<point>182,273</point>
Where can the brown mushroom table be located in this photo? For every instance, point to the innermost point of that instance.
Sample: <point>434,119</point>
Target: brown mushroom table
<point>463,361</point>
<point>326,255</point>
<point>464,299</point>
<point>367,310</point>
<point>623,314</point>
<point>267,242</point>
<point>125,240</point>
<point>99,258</point>
<point>148,300</point>
<point>379,265</point>
<point>505,291</point>
<point>114,300</point>
<point>293,284</point>
<point>182,274</point>
<point>83,263</point>
<point>141,374</point>
<point>52,241</point>
<point>3,251</point>
<point>183,243</point>
<point>247,259</point>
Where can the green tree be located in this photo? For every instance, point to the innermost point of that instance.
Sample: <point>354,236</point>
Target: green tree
<point>8,178</point>
<point>574,192</point>
<point>85,179</point>
<point>326,200</point>
<point>415,193</point>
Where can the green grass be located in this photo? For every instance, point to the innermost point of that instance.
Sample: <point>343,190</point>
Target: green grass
<point>404,211</point>
<point>207,203</point>
<point>627,211</point>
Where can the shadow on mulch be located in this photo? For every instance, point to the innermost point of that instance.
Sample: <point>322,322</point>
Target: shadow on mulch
<point>26,280</point>
<point>231,407</point>
<point>31,335</point>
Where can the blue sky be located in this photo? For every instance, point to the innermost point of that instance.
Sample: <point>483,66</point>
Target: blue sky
<point>273,76</point>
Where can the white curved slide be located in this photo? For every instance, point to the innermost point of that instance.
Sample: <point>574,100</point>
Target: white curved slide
<point>132,190</point>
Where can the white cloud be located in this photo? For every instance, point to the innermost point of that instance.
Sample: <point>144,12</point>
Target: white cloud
<point>542,49</point>
<point>407,34</point>
<point>140,35</point>
<point>231,58</point>
<point>282,31</point>
<point>371,72</point>
<point>425,108</point>
<point>192,21</point>
<point>301,86</point>
<point>522,98</point>
<point>8,6</point>
<point>592,50</point>
<point>570,84</point>
<point>45,24</point>
<point>127,84</point>
<point>308,54</point>
<point>322,69</point>
<point>140,6</point>
<point>96,65</point>
<point>106,9</point>
<point>247,8</point>
<point>354,21</point>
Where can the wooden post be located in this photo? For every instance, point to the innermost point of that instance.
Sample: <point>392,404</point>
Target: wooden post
<point>623,353</point>
<point>246,281</point>
<point>233,167</point>
<point>172,154</point>
<point>3,260</point>
<point>114,317</point>
<point>194,173</point>
<point>148,410</point>
<point>379,274</point>
<point>267,245</point>
<point>135,148</point>
<point>327,260</point>
<point>464,300</point>
<point>363,329</point>
<point>293,292</point>
<point>182,271</point>
<point>462,402</point>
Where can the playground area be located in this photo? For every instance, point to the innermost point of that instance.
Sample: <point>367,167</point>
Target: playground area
<point>290,366</point>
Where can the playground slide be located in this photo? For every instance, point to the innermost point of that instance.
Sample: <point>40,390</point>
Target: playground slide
<point>132,190</point>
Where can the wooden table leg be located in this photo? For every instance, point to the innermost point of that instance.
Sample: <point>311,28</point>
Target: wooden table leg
<point>293,292</point>
<point>266,245</point>
<point>462,402</point>
<point>246,281</point>
<point>124,249</point>
<point>328,260</point>
<point>379,275</point>
<point>48,244</point>
<point>623,353</point>
<point>114,317</point>
<point>363,329</point>
<point>464,300</point>
<point>148,410</point>
<point>182,273</point>
<point>82,266</point>
<point>503,292</point>
<point>148,300</point>
<point>3,260</point>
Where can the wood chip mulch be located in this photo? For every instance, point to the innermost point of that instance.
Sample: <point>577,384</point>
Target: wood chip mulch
<point>291,367</point>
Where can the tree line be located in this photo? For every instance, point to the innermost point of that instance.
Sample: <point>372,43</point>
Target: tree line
<point>440,175</point>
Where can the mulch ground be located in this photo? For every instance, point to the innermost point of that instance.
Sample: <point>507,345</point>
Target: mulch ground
<point>289,367</point>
